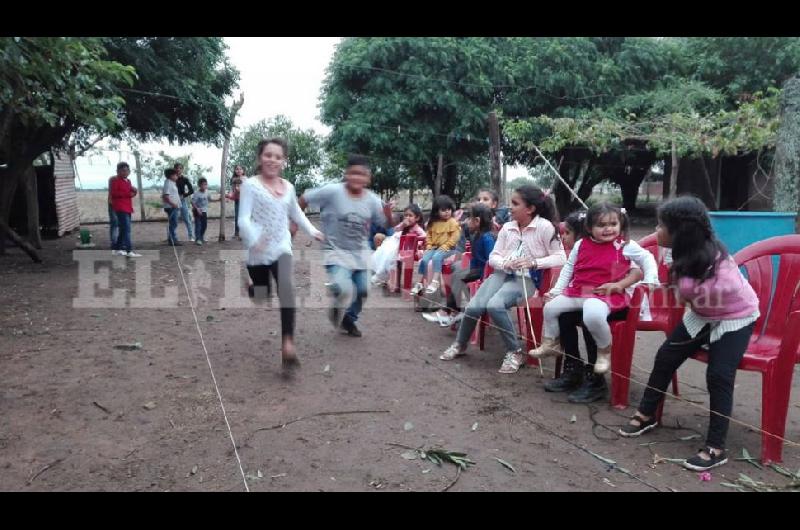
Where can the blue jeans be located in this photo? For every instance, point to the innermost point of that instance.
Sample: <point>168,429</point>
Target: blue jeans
<point>496,295</point>
<point>200,225</point>
<point>436,257</point>
<point>123,241</point>
<point>348,285</point>
<point>113,227</point>
<point>187,219</point>
<point>172,215</point>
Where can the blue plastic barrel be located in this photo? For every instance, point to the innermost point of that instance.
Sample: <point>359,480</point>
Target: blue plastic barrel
<point>739,229</point>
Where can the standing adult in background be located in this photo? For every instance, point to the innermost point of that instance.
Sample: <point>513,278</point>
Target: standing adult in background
<point>122,193</point>
<point>185,190</point>
<point>113,226</point>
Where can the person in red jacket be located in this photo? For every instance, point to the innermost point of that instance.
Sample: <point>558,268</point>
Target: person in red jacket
<point>122,193</point>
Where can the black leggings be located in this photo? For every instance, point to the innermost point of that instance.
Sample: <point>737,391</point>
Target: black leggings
<point>724,357</point>
<point>568,329</point>
<point>281,271</point>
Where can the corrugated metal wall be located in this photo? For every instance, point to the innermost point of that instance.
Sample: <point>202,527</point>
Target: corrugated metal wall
<point>66,197</point>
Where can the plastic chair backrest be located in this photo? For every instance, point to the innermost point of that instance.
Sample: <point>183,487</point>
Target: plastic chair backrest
<point>408,242</point>
<point>661,300</point>
<point>777,296</point>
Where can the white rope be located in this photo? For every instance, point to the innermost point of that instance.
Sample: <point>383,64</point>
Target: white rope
<point>546,161</point>
<point>210,369</point>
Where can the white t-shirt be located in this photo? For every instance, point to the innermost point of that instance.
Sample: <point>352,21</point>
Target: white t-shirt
<point>171,189</point>
<point>264,218</point>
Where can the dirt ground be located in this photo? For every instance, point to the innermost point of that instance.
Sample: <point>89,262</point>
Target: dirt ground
<point>78,414</point>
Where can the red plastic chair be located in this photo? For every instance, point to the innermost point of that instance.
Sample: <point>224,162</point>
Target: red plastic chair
<point>666,313</point>
<point>401,278</point>
<point>773,349</point>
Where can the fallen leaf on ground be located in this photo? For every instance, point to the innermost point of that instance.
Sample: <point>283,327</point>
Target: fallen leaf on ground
<point>410,455</point>
<point>150,405</point>
<point>475,426</point>
<point>408,426</point>
<point>279,475</point>
<point>128,347</point>
<point>506,464</point>
<point>573,419</point>
<point>194,470</point>
<point>609,482</point>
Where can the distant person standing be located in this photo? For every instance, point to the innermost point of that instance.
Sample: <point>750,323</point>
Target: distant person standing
<point>234,194</point>
<point>200,201</point>
<point>122,193</point>
<point>172,205</point>
<point>185,190</point>
<point>113,226</point>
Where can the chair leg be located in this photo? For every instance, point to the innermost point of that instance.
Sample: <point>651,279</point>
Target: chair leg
<point>482,331</point>
<point>775,393</point>
<point>621,359</point>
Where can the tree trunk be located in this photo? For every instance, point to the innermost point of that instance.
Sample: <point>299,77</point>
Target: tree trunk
<point>494,153</point>
<point>9,180</point>
<point>504,188</point>
<point>30,181</point>
<point>224,170</point>
<point>437,182</point>
<point>223,175</point>
<point>708,192</point>
<point>787,152</point>
<point>139,184</point>
<point>5,231</point>
<point>673,177</point>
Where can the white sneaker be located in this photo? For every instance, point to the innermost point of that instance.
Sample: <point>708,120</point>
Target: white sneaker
<point>198,242</point>
<point>432,288</point>
<point>431,317</point>
<point>119,253</point>
<point>132,254</point>
<point>457,318</point>
<point>416,289</point>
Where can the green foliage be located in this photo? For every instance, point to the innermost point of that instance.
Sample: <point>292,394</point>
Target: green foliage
<point>153,168</point>
<point>438,90</point>
<point>51,86</point>
<point>181,87</point>
<point>305,158</point>
<point>741,66</point>
<point>750,127</point>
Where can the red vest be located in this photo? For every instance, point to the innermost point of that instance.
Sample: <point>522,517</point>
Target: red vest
<point>596,264</point>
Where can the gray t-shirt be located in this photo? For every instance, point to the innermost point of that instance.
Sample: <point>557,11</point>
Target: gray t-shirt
<point>200,201</point>
<point>346,223</point>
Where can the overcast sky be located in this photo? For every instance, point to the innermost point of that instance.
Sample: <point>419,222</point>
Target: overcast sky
<point>279,75</point>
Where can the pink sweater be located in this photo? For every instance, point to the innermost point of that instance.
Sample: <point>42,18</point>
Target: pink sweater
<point>726,296</point>
<point>415,230</point>
<point>538,242</point>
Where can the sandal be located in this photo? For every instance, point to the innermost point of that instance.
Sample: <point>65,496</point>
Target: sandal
<point>513,361</point>
<point>455,350</point>
<point>632,431</point>
<point>698,463</point>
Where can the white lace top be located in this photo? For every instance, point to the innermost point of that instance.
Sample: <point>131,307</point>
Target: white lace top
<point>264,218</point>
